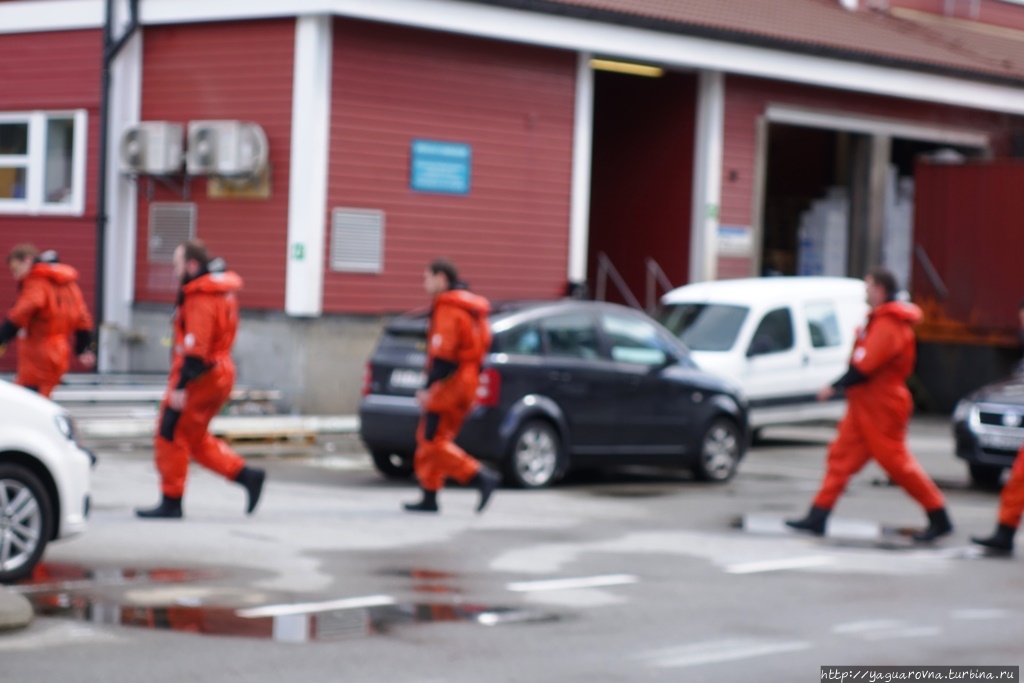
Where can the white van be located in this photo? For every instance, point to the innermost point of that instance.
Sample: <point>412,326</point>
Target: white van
<point>781,339</point>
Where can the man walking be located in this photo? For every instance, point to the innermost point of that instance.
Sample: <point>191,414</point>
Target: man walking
<point>458,339</point>
<point>202,375</point>
<point>878,412</point>
<point>49,309</point>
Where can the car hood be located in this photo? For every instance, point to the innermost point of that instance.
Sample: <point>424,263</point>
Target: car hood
<point>1009,391</point>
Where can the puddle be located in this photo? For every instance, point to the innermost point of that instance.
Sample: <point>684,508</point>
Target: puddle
<point>69,592</point>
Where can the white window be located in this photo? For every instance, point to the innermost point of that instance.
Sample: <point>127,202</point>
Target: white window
<point>42,162</point>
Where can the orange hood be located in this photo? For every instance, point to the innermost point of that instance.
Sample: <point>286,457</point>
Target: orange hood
<point>55,272</point>
<point>465,300</point>
<point>901,310</point>
<point>214,283</point>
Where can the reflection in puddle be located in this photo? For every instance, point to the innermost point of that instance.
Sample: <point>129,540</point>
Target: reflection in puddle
<point>291,628</point>
<point>69,591</point>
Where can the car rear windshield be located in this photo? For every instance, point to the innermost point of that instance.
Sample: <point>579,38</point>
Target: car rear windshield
<point>405,333</point>
<point>704,327</point>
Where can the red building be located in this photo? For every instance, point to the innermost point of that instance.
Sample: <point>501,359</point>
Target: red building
<point>534,145</point>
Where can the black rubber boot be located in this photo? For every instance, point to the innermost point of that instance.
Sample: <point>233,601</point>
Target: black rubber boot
<point>938,525</point>
<point>169,508</point>
<point>1001,540</point>
<point>428,504</point>
<point>486,481</point>
<point>252,479</point>
<point>813,523</point>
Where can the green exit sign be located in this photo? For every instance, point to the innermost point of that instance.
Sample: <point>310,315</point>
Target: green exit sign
<point>298,251</point>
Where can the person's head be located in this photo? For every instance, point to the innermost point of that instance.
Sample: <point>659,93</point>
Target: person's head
<point>440,276</point>
<point>21,259</point>
<point>190,260</point>
<point>881,287</point>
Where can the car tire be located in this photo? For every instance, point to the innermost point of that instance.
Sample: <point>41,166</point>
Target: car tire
<point>986,477</point>
<point>26,521</point>
<point>536,456</point>
<point>721,448</point>
<point>393,465</point>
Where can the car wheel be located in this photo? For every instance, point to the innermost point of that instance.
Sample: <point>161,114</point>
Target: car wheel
<point>720,451</point>
<point>393,465</point>
<point>535,459</point>
<point>986,476</point>
<point>26,521</point>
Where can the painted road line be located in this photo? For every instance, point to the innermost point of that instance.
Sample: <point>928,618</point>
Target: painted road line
<point>569,584</point>
<point>314,607</point>
<point>867,626</point>
<point>780,565</point>
<point>721,651</point>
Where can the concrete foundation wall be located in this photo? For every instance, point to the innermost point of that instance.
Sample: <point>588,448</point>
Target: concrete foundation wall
<point>317,363</point>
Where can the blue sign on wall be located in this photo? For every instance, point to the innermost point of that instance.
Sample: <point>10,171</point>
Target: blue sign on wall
<point>440,166</point>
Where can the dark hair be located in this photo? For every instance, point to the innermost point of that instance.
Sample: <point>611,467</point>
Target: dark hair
<point>22,251</point>
<point>447,267</point>
<point>884,278</point>
<point>196,251</point>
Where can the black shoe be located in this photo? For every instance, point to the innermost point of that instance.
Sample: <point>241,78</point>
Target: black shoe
<point>169,508</point>
<point>486,481</point>
<point>813,523</point>
<point>428,504</point>
<point>938,525</point>
<point>1001,540</point>
<point>252,479</point>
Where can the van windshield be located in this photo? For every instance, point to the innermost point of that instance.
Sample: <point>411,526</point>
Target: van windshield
<point>704,327</point>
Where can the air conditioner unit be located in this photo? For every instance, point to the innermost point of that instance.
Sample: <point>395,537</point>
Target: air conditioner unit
<point>152,148</point>
<point>225,148</point>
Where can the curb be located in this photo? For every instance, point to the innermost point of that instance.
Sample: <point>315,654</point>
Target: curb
<point>226,425</point>
<point>15,610</point>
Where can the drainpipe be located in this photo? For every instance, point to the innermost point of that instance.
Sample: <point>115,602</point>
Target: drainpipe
<point>111,48</point>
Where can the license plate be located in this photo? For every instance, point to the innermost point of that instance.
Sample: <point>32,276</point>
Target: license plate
<point>408,379</point>
<point>1001,441</point>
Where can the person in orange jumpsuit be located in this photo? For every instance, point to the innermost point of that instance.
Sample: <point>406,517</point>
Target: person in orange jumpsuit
<point>202,375</point>
<point>458,340</point>
<point>878,412</point>
<point>1011,500</point>
<point>48,311</point>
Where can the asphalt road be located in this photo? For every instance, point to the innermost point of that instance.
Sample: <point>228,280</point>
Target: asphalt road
<point>633,575</point>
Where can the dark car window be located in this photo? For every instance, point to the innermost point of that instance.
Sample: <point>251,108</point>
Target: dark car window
<point>773,334</point>
<point>523,340</point>
<point>704,327</point>
<point>571,336</point>
<point>633,340</point>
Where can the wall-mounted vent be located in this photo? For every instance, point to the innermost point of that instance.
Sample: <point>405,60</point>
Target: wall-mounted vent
<point>170,224</point>
<point>357,241</point>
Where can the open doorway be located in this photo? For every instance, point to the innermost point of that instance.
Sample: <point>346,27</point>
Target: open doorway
<point>641,185</point>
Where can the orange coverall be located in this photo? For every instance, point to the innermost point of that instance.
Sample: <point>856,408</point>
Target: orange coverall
<point>49,309</point>
<point>205,324</point>
<point>458,334</point>
<point>1011,500</point>
<point>878,410</point>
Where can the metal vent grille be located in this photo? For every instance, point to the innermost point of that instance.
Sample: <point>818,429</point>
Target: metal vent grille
<point>357,240</point>
<point>170,224</point>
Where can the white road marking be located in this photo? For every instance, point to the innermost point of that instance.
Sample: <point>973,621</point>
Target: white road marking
<point>567,584</point>
<point>720,651</point>
<point>866,626</point>
<point>909,632</point>
<point>314,607</point>
<point>779,565</point>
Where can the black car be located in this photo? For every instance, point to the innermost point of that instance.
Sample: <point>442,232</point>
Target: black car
<point>989,429</point>
<point>567,383</point>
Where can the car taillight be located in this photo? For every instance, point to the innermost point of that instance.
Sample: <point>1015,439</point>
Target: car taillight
<point>488,392</point>
<point>367,379</point>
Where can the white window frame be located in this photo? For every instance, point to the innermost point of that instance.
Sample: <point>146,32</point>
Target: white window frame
<point>34,204</point>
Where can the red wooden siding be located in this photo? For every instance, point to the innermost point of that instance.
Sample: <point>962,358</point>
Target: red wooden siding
<point>513,104</point>
<point>238,71</point>
<point>746,100</point>
<point>50,72</point>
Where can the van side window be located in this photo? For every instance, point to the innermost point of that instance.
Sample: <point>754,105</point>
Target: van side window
<point>823,325</point>
<point>774,333</point>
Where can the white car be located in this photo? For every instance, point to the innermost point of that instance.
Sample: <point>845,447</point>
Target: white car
<point>780,339</point>
<point>44,479</point>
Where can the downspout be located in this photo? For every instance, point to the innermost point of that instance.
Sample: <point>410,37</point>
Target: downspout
<point>111,48</point>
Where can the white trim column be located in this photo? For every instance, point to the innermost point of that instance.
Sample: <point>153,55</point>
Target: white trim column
<point>124,110</point>
<point>307,187</point>
<point>582,148</point>
<point>707,176</point>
